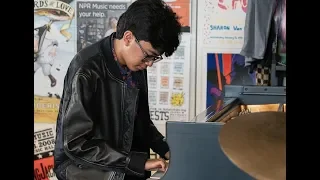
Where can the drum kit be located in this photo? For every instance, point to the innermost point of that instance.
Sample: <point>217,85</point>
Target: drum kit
<point>256,144</point>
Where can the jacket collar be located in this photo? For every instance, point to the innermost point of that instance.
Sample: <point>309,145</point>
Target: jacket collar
<point>106,45</point>
<point>105,49</point>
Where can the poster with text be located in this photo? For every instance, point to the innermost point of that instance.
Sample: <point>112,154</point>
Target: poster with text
<point>44,141</point>
<point>54,48</point>
<point>168,83</point>
<point>221,24</point>
<point>223,69</point>
<point>182,8</point>
<point>97,19</point>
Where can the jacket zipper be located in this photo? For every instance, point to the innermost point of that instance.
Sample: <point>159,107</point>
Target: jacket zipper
<point>134,116</point>
<point>122,98</point>
<point>122,114</point>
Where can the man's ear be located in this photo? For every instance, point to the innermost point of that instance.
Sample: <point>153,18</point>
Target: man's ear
<point>128,38</point>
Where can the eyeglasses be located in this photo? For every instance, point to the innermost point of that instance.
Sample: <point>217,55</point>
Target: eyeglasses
<point>147,57</point>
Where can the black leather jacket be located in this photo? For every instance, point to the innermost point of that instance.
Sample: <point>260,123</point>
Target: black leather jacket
<point>97,118</point>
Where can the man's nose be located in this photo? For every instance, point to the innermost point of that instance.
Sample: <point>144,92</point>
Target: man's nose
<point>149,63</point>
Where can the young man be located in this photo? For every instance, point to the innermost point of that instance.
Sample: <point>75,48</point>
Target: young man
<point>104,129</point>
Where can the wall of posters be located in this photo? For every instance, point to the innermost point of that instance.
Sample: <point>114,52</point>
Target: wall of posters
<point>168,82</point>
<point>97,19</point>
<point>220,39</point>
<point>54,48</point>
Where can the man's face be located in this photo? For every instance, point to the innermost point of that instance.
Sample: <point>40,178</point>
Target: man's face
<point>138,55</point>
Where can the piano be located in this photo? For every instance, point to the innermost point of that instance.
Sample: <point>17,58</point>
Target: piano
<point>194,146</point>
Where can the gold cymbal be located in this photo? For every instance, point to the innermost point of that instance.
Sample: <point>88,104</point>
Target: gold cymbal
<point>256,143</point>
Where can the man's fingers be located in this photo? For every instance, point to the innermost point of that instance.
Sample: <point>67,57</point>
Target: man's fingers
<point>164,165</point>
<point>159,165</point>
<point>167,166</point>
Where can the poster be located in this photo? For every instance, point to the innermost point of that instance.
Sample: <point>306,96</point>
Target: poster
<point>96,20</point>
<point>182,8</point>
<point>221,24</point>
<point>168,83</point>
<point>43,169</point>
<point>225,69</point>
<point>44,140</point>
<point>54,48</point>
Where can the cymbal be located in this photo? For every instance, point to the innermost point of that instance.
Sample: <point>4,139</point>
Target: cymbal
<point>256,143</point>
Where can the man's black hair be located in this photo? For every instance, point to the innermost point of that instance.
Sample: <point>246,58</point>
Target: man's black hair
<point>152,21</point>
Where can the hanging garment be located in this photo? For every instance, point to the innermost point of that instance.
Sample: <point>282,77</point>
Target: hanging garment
<point>257,28</point>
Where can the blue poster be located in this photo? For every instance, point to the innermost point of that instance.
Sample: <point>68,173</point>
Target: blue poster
<point>225,69</point>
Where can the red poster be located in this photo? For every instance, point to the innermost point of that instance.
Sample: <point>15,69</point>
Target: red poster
<point>43,168</point>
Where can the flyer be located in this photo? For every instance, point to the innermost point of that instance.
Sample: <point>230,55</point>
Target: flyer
<point>44,140</point>
<point>221,24</point>
<point>168,84</point>
<point>97,19</point>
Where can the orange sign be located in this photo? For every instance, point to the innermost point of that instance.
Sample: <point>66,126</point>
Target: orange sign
<point>182,8</point>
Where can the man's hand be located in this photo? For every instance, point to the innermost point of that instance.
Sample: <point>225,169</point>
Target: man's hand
<point>156,164</point>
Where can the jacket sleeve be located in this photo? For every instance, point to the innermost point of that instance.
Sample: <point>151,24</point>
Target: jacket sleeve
<point>78,124</point>
<point>156,139</point>
<point>157,142</point>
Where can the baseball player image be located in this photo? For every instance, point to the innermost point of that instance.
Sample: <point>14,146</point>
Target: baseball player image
<point>44,52</point>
